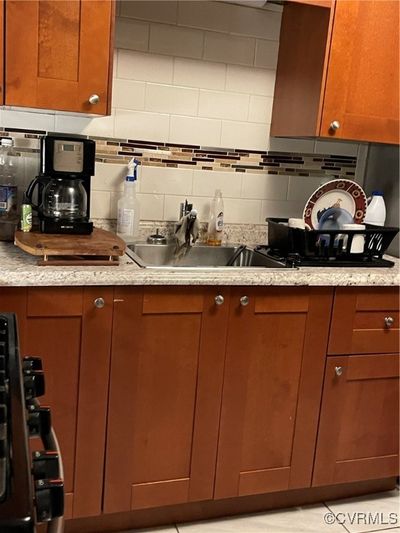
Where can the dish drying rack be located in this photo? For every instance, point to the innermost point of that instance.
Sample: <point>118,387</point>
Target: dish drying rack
<point>328,246</point>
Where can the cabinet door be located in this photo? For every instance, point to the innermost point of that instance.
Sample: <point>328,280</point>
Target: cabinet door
<point>168,349</point>
<point>359,425</point>
<point>58,54</point>
<point>362,87</point>
<point>73,338</point>
<point>273,378</point>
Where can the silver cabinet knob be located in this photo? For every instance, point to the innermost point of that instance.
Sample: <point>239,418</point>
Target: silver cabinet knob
<point>94,99</point>
<point>389,321</point>
<point>219,300</point>
<point>334,125</point>
<point>244,300</point>
<point>99,303</point>
<point>338,370</point>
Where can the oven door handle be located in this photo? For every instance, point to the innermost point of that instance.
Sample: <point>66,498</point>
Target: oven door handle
<point>50,443</point>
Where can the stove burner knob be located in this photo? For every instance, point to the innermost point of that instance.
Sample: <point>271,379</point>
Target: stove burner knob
<point>31,362</point>
<point>45,465</point>
<point>33,383</point>
<point>39,421</point>
<point>49,499</point>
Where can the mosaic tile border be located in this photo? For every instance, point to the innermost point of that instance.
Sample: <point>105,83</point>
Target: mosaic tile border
<point>159,154</point>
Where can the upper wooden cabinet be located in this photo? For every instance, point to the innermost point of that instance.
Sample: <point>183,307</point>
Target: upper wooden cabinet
<point>62,57</point>
<point>338,71</point>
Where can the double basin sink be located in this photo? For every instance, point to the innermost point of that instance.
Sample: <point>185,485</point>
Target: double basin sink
<point>199,256</point>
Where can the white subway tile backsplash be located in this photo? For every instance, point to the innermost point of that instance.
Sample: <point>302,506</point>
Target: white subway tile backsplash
<point>131,34</point>
<point>260,109</point>
<point>338,148</point>
<point>151,206</point>
<point>283,209</point>
<point>250,80</point>
<point>176,41</point>
<point>204,15</point>
<point>166,180</point>
<point>101,126</point>
<point>229,48</point>
<point>144,67</point>
<point>241,211</point>
<point>218,104</point>
<point>264,187</point>
<point>201,74</point>
<point>13,118</point>
<point>70,123</point>
<point>201,131</point>
<point>245,135</point>
<point>255,22</point>
<point>141,125</point>
<point>266,54</point>
<point>159,11</point>
<point>108,177</point>
<point>170,99</point>
<point>100,206</point>
<point>206,181</point>
<point>302,187</point>
<point>128,94</point>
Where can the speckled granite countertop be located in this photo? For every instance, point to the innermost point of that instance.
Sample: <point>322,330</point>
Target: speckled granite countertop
<point>19,269</point>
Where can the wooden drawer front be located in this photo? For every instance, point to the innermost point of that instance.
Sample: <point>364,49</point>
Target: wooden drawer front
<point>365,320</point>
<point>162,300</point>
<point>55,301</point>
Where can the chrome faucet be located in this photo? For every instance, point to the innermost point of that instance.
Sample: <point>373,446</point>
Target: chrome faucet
<point>185,209</point>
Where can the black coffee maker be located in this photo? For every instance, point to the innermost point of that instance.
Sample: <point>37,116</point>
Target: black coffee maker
<point>66,168</point>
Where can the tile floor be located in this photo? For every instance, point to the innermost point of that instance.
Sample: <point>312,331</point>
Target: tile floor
<point>365,514</point>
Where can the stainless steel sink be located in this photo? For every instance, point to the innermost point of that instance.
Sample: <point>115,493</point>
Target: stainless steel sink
<point>199,256</point>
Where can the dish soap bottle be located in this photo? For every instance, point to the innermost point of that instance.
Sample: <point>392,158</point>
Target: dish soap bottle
<point>216,222</point>
<point>128,205</point>
<point>376,210</point>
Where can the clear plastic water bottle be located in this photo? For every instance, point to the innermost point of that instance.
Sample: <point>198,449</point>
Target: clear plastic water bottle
<point>8,186</point>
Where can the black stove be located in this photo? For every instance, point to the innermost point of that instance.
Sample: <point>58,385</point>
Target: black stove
<point>31,490</point>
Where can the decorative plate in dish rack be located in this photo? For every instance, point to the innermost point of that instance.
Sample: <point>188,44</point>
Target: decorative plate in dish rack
<point>345,194</point>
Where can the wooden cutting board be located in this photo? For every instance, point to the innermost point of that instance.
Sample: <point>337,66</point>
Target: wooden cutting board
<point>100,248</point>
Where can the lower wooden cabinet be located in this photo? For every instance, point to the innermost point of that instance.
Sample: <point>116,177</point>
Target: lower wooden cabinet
<point>274,365</point>
<point>167,395</point>
<point>168,350</point>
<point>358,436</point>
<point>64,327</point>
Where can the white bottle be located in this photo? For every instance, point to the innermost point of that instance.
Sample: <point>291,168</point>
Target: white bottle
<point>376,210</point>
<point>128,206</point>
<point>216,221</point>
